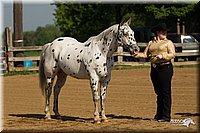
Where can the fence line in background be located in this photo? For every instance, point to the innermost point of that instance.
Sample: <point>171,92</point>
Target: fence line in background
<point>120,53</point>
<point>8,60</point>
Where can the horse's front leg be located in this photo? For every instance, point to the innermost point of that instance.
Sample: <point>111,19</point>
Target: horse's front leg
<point>103,87</point>
<point>94,79</point>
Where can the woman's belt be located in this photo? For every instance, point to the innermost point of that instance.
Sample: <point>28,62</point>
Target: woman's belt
<point>160,64</point>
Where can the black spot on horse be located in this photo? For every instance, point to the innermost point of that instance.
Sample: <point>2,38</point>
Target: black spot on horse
<point>78,60</point>
<point>81,51</point>
<point>61,39</point>
<point>51,44</point>
<point>104,64</point>
<point>56,60</point>
<point>90,61</point>
<point>110,49</point>
<point>61,58</point>
<point>97,58</point>
<point>68,55</point>
<point>99,71</point>
<point>53,50</point>
<point>87,45</point>
<point>68,58</point>
<point>77,56</point>
<point>76,48</point>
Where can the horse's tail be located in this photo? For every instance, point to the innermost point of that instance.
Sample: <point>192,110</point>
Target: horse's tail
<point>42,77</point>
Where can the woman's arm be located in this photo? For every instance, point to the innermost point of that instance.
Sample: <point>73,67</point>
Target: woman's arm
<point>171,52</point>
<point>142,55</point>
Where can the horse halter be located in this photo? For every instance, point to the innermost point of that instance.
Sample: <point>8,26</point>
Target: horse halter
<point>125,38</point>
<point>130,36</point>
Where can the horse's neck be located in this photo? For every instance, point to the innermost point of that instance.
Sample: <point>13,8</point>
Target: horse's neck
<point>108,41</point>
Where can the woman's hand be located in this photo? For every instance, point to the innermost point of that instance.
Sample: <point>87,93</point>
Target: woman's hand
<point>159,56</point>
<point>135,54</point>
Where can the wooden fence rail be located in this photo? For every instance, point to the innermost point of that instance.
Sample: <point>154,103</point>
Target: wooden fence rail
<point>9,60</point>
<point>119,53</point>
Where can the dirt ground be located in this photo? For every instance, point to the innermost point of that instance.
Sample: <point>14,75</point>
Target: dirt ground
<point>130,104</point>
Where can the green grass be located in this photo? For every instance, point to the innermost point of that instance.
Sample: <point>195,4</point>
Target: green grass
<point>12,73</point>
<point>127,67</point>
<point>117,67</point>
<point>187,66</point>
<point>32,53</point>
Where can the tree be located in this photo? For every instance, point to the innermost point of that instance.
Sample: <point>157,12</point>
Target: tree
<point>179,11</point>
<point>193,19</point>
<point>42,35</point>
<point>84,20</point>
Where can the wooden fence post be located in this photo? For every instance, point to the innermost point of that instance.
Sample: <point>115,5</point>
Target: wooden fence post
<point>8,43</point>
<point>120,52</point>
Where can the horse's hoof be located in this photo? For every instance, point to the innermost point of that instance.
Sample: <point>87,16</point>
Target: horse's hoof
<point>104,120</point>
<point>97,121</point>
<point>47,118</point>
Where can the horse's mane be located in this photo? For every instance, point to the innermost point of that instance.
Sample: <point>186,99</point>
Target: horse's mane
<point>102,34</point>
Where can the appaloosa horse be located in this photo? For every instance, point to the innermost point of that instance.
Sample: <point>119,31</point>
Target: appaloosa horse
<point>89,60</point>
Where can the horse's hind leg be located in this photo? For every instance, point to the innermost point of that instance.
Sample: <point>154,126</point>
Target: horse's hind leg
<point>61,78</point>
<point>48,91</point>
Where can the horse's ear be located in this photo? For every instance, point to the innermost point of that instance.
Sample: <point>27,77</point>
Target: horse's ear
<point>122,22</point>
<point>129,21</point>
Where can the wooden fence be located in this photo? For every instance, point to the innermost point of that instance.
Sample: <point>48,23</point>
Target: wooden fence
<point>8,59</point>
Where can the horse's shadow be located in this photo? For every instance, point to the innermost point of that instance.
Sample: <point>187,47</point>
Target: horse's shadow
<point>78,119</point>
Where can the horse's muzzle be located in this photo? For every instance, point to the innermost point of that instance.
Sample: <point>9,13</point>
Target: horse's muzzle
<point>133,50</point>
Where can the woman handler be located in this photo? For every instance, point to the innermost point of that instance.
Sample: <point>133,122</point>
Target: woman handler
<point>160,52</point>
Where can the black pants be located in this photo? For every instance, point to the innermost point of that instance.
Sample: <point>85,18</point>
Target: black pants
<point>161,77</point>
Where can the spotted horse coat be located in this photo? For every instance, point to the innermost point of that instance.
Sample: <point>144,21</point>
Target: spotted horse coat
<point>92,60</point>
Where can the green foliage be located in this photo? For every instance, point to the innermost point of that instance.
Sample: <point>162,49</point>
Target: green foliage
<point>84,20</point>
<point>163,11</point>
<point>193,18</point>
<point>181,10</point>
<point>159,12</point>
<point>42,35</point>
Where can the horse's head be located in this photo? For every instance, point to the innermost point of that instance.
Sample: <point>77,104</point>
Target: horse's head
<point>126,37</point>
